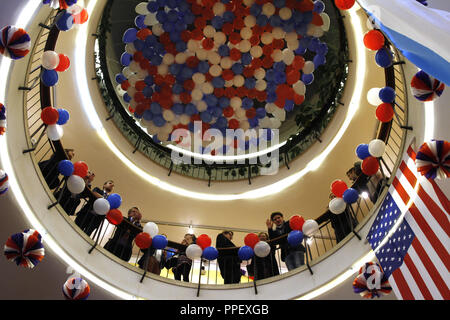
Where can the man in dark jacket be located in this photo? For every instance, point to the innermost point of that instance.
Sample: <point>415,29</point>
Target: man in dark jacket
<point>229,263</point>
<point>294,257</point>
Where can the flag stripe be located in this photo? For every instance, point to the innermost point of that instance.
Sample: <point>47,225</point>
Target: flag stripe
<point>432,271</point>
<point>430,235</point>
<point>442,197</point>
<point>417,278</point>
<point>400,190</point>
<point>433,208</point>
<point>402,285</point>
<point>424,274</point>
<point>410,280</point>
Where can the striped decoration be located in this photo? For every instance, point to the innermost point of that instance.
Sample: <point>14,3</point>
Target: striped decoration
<point>14,42</point>
<point>76,289</point>
<point>371,269</point>
<point>2,119</point>
<point>433,159</point>
<point>426,88</point>
<point>25,248</point>
<point>4,184</point>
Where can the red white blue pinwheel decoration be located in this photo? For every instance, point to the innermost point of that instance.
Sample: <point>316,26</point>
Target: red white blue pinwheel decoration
<point>371,281</point>
<point>14,42</point>
<point>76,289</point>
<point>433,159</point>
<point>25,248</point>
<point>426,88</point>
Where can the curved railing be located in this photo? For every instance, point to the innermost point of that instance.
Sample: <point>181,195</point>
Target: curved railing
<point>295,144</point>
<point>319,246</point>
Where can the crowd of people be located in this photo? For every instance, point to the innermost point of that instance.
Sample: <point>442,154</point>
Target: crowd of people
<point>175,259</point>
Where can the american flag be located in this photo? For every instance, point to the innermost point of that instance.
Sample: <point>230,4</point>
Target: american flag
<point>415,218</point>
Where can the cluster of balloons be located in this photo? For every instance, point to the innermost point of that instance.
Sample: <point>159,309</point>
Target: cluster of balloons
<point>343,194</point>
<point>204,244</point>
<point>150,237</point>
<point>374,40</point>
<point>110,208</point>
<point>2,119</point>
<point>383,98</point>
<point>76,289</point>
<point>75,174</point>
<point>369,153</point>
<point>15,42</point>
<point>4,183</point>
<point>25,248</point>
<point>54,119</point>
<point>70,14</point>
<point>426,88</point>
<point>52,63</point>
<point>228,64</point>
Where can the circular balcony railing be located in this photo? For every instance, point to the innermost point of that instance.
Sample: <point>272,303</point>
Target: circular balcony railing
<point>37,96</point>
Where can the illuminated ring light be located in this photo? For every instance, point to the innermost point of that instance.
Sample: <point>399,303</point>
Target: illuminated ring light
<point>94,119</point>
<point>24,18</point>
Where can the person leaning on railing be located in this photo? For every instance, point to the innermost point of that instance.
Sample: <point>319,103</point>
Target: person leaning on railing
<point>86,218</point>
<point>49,168</point>
<point>294,257</point>
<point>262,268</point>
<point>121,244</point>
<point>181,263</point>
<point>363,183</point>
<point>228,260</point>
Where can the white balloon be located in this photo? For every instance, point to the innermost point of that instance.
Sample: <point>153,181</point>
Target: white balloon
<point>75,184</point>
<point>373,97</point>
<point>101,206</point>
<point>55,132</point>
<point>150,19</point>
<point>50,60</point>
<point>151,228</point>
<point>262,249</point>
<point>376,148</point>
<point>279,114</point>
<point>310,227</point>
<point>337,205</point>
<point>127,72</point>
<point>194,251</point>
<point>141,8</point>
<point>299,88</point>
<point>308,67</point>
<point>74,9</point>
<point>119,90</point>
<point>326,21</point>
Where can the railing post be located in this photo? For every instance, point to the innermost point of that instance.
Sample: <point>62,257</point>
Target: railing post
<point>146,258</point>
<point>199,278</point>
<point>97,235</point>
<point>255,275</point>
<point>350,222</point>
<point>60,195</point>
<point>308,251</point>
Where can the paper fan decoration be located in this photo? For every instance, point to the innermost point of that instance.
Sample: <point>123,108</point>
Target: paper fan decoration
<point>60,4</point>
<point>433,159</point>
<point>4,184</point>
<point>14,42</point>
<point>2,119</point>
<point>25,248</point>
<point>76,289</point>
<point>371,281</point>
<point>426,88</point>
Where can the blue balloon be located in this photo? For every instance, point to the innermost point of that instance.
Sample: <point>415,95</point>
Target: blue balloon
<point>260,113</point>
<point>362,151</point>
<point>245,253</point>
<point>139,21</point>
<point>129,35</point>
<point>147,115</point>
<point>159,242</point>
<point>308,78</point>
<point>65,167</point>
<point>125,59</point>
<point>126,97</point>
<point>319,60</point>
<point>49,77</point>
<point>387,95</point>
<point>210,253</point>
<point>64,21</point>
<point>350,196</point>
<point>384,58</point>
<point>319,6</point>
<point>289,105</point>
<point>114,200</point>
<point>120,78</point>
<point>206,116</point>
<point>63,116</point>
<point>295,238</point>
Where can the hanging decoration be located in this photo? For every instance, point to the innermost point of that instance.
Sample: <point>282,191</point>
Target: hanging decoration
<point>426,88</point>
<point>433,159</point>
<point>15,42</point>
<point>2,119</point>
<point>4,183</point>
<point>76,289</point>
<point>371,281</point>
<point>25,248</point>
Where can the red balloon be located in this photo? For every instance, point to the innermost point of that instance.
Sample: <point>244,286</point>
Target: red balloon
<point>385,112</point>
<point>370,166</point>
<point>80,168</point>
<point>338,188</point>
<point>81,18</point>
<point>64,63</point>
<point>203,241</point>
<point>344,4</point>
<point>49,115</point>
<point>143,240</point>
<point>296,222</point>
<point>374,40</point>
<point>114,216</point>
<point>251,240</point>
